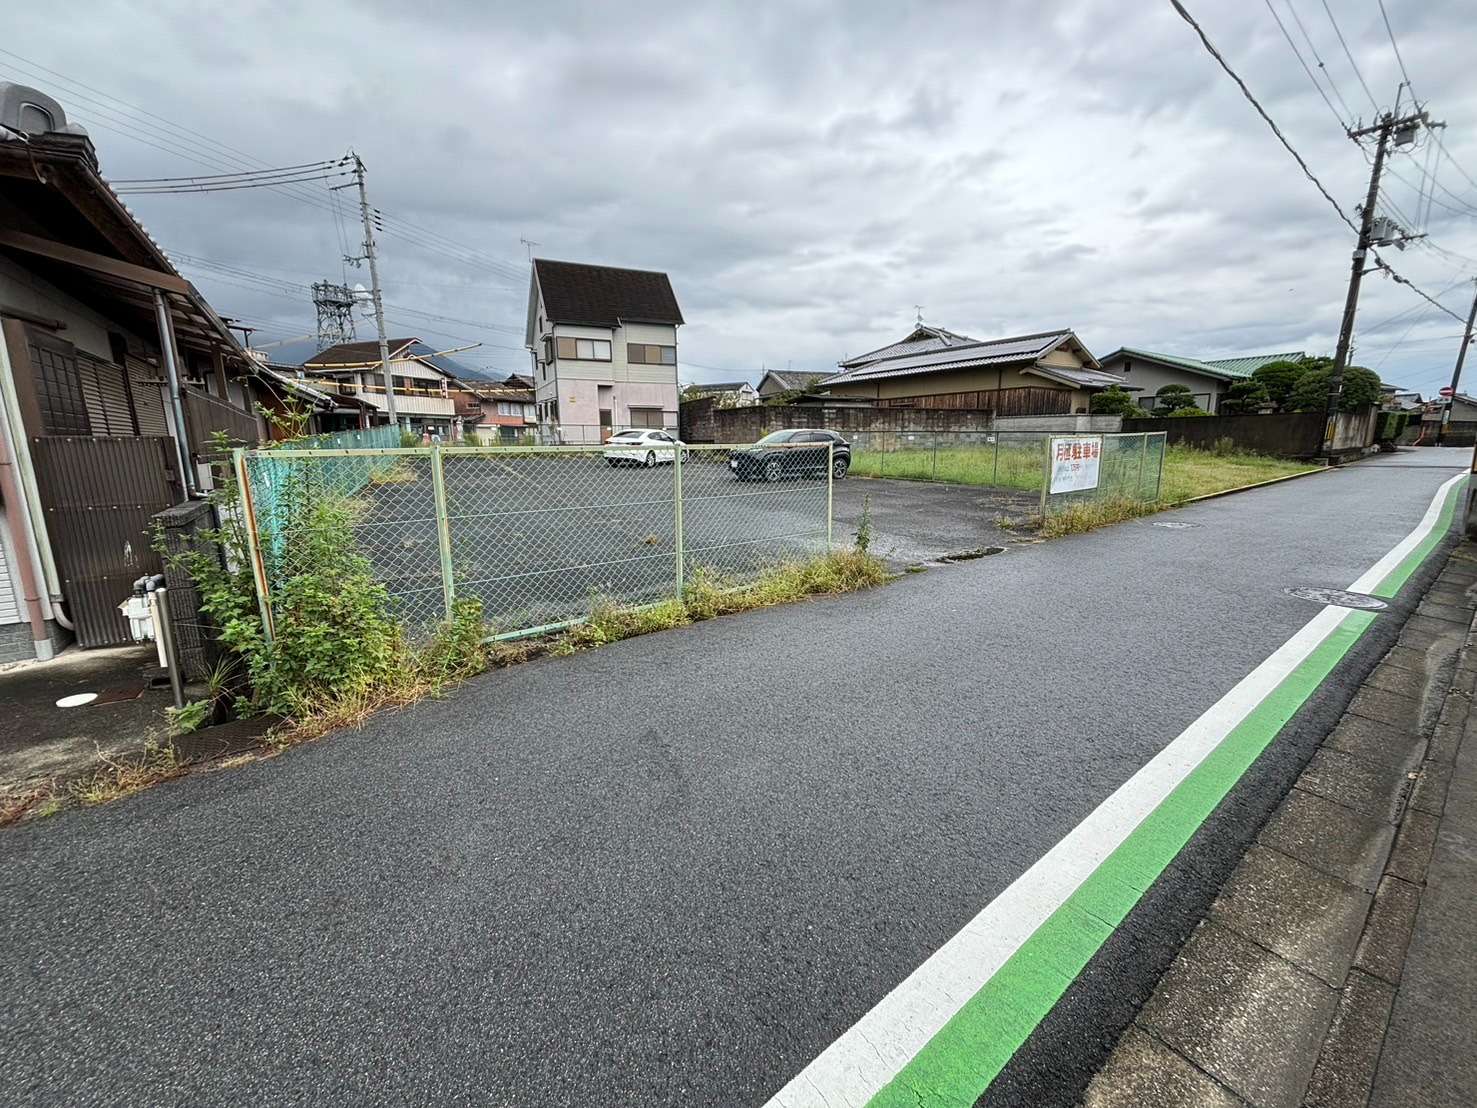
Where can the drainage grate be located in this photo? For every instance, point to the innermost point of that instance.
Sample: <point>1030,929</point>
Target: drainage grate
<point>1337,597</point>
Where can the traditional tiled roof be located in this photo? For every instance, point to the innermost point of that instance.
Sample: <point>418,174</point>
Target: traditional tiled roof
<point>923,340</point>
<point>1024,350</point>
<point>793,379</point>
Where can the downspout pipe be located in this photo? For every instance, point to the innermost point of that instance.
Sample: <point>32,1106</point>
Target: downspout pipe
<point>28,500</point>
<point>169,356</point>
<point>24,545</point>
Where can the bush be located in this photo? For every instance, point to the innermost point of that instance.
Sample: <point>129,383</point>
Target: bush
<point>1361,389</point>
<point>1244,397</point>
<point>472,438</point>
<point>1279,379</point>
<point>1192,410</point>
<point>1173,398</point>
<point>409,439</point>
<point>1115,400</point>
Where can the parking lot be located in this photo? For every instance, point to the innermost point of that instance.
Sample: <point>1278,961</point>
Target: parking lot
<point>916,521</point>
<point>539,537</point>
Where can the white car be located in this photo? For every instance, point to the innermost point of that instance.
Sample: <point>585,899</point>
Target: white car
<point>642,448</point>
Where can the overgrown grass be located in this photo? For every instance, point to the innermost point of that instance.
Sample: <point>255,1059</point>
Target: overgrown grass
<point>1011,467</point>
<point>33,802</point>
<point>115,778</point>
<point>458,652</point>
<point>1189,472</point>
<point>1088,515</point>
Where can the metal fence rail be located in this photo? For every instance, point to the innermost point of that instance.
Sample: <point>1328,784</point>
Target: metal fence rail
<point>1129,467</point>
<point>539,535</point>
<point>998,459</point>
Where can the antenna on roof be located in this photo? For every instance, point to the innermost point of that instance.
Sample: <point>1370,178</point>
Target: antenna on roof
<point>919,309</point>
<point>529,244</point>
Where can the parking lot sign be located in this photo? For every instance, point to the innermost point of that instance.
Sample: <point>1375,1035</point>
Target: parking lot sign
<point>1075,460</point>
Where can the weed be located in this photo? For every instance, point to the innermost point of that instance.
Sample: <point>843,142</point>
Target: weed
<point>864,525</point>
<point>36,802</point>
<point>189,718</point>
<point>397,474</point>
<point>114,778</point>
<point>915,569</point>
<point>1091,514</point>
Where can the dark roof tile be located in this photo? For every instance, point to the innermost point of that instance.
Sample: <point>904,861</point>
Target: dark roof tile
<point>604,296</point>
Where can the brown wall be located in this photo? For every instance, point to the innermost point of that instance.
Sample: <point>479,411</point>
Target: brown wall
<point>1287,435</point>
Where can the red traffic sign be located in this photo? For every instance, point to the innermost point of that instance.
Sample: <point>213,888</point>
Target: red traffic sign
<point>1447,390</point>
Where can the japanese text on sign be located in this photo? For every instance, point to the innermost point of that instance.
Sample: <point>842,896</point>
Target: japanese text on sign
<point>1074,463</point>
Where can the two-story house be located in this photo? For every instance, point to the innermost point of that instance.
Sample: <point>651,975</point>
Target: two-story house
<point>423,400</point>
<point>603,343</point>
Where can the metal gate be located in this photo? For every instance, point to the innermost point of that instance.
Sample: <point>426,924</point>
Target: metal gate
<point>99,495</point>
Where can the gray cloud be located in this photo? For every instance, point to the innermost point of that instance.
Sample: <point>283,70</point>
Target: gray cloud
<point>805,172</point>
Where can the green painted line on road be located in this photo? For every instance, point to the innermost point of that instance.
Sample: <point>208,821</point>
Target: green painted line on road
<point>1395,580</point>
<point>971,1049</point>
<point>961,1060</point>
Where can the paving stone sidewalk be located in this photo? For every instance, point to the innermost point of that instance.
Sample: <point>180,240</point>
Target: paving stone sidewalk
<point>1338,966</point>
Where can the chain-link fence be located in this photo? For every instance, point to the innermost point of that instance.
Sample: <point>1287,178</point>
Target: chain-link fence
<point>1021,465</point>
<point>1086,468</point>
<point>539,535</point>
<point>997,459</point>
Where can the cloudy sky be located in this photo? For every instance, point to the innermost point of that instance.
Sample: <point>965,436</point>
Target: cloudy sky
<point>807,172</point>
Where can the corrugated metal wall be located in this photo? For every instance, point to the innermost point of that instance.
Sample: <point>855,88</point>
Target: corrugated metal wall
<point>100,495</point>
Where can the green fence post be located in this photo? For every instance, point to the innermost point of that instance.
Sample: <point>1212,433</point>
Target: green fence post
<point>443,530</point>
<point>1143,457</point>
<point>995,474</point>
<point>1163,449</point>
<point>935,472</point>
<point>677,520</point>
<point>253,545</point>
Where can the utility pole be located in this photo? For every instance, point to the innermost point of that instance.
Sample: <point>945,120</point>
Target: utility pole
<point>374,292</point>
<point>1456,373</point>
<point>1386,126</point>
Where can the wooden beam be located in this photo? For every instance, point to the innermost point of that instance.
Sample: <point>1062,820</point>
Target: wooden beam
<point>97,263</point>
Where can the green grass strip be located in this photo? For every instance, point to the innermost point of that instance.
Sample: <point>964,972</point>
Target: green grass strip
<point>967,1053</point>
<point>1395,580</point>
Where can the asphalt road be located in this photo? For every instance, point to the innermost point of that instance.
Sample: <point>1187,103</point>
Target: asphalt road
<point>669,871</point>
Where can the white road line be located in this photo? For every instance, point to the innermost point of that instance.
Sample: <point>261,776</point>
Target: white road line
<point>870,1053</point>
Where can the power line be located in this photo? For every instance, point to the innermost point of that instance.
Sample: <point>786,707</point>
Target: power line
<point>1352,64</point>
<point>221,176</point>
<point>1313,49</point>
<point>1396,46</point>
<point>1246,92</point>
<point>1390,272</point>
<point>1343,124</point>
<point>174,190</point>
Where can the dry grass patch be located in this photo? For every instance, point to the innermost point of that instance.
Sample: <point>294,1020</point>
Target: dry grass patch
<point>34,802</point>
<point>115,778</point>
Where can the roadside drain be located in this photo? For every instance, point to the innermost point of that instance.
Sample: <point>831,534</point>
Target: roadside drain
<point>1337,597</point>
<point>971,555</point>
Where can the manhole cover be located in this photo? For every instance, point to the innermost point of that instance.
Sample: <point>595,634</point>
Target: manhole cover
<point>1174,524</point>
<point>1337,597</point>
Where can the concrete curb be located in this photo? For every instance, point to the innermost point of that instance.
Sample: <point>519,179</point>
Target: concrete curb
<point>1284,993</point>
<point>1255,485</point>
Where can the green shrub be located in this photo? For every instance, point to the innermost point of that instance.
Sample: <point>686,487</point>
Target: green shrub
<point>1115,400</point>
<point>1172,398</point>
<point>1244,397</point>
<point>1361,388</point>
<point>409,439</point>
<point>1192,410</point>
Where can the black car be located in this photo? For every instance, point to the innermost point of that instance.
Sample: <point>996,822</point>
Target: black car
<point>794,453</point>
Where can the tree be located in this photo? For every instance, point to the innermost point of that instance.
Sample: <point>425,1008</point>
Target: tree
<point>1244,397</point>
<point>1171,398</point>
<point>1115,400</point>
<point>1361,389</point>
<point>1279,379</point>
<point>1192,410</point>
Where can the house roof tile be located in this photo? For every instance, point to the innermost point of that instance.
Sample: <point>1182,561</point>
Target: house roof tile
<point>603,295</point>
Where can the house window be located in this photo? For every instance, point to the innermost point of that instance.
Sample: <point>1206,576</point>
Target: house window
<point>548,349</point>
<point>584,350</point>
<point>59,392</point>
<point>646,353</point>
<point>646,417</point>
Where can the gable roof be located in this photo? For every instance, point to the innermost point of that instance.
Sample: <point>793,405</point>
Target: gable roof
<point>604,295</point>
<point>357,353</point>
<point>791,379</point>
<point>1024,350</point>
<point>1219,369</point>
<point>719,386</point>
<point>921,340</point>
